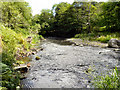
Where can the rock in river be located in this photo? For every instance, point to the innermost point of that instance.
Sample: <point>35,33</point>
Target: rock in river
<point>37,58</point>
<point>114,43</point>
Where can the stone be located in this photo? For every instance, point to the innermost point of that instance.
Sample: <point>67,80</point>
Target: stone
<point>28,65</point>
<point>116,50</point>
<point>118,43</point>
<point>37,58</point>
<point>114,43</point>
<point>22,68</point>
<point>23,77</point>
<point>33,53</point>
<point>41,49</point>
<point>81,45</point>
<point>77,44</point>
<point>29,39</point>
<point>88,86</point>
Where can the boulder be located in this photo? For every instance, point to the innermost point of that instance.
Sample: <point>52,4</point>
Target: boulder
<point>114,43</point>
<point>118,43</point>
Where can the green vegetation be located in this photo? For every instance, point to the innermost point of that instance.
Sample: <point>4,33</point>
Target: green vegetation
<point>96,21</point>
<point>108,81</point>
<point>15,28</point>
<point>101,37</point>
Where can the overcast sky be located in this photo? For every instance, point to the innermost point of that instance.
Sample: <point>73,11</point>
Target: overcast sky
<point>38,5</point>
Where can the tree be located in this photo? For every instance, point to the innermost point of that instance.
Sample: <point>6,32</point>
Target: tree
<point>45,16</point>
<point>59,14</point>
<point>110,14</point>
<point>16,14</point>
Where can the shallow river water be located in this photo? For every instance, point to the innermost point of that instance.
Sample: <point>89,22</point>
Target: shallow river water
<point>63,65</point>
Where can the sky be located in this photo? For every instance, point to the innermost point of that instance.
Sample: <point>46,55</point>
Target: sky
<point>38,5</point>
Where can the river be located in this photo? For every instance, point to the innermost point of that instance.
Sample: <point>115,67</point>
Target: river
<point>63,65</point>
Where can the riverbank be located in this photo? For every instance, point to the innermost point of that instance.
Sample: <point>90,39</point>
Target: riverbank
<point>80,42</point>
<point>68,66</point>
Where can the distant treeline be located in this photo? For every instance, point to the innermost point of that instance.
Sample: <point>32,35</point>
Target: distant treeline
<point>66,19</point>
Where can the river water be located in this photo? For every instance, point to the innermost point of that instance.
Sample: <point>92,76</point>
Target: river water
<point>63,65</point>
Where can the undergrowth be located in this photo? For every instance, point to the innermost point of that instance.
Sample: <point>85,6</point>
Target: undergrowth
<point>101,37</point>
<point>107,81</point>
<point>11,42</point>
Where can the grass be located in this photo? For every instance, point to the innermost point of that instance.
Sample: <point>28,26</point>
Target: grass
<point>107,81</point>
<point>103,37</point>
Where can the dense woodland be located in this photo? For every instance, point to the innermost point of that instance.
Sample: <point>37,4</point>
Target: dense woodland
<point>65,20</point>
<point>85,20</point>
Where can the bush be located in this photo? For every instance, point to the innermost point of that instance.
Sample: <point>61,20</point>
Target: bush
<point>10,43</point>
<point>108,81</point>
<point>10,79</point>
<point>85,36</point>
<point>104,39</point>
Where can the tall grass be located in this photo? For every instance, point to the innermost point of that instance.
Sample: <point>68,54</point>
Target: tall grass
<point>108,81</point>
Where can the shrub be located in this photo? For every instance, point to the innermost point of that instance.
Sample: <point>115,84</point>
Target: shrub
<point>10,43</point>
<point>85,36</point>
<point>104,39</point>
<point>107,81</point>
<point>10,79</point>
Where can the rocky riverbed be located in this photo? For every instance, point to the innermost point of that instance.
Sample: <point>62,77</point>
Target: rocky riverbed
<point>64,65</point>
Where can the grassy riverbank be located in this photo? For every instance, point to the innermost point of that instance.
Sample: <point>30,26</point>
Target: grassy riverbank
<point>14,48</point>
<point>102,37</point>
<point>18,37</point>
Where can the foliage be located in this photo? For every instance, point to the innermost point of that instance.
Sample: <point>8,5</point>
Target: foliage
<point>85,36</point>
<point>108,81</point>
<point>86,20</point>
<point>66,19</point>
<point>16,14</point>
<point>35,28</point>
<point>111,15</point>
<point>9,40</point>
<point>104,39</point>
<point>45,16</point>
<point>15,27</point>
<point>10,79</point>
